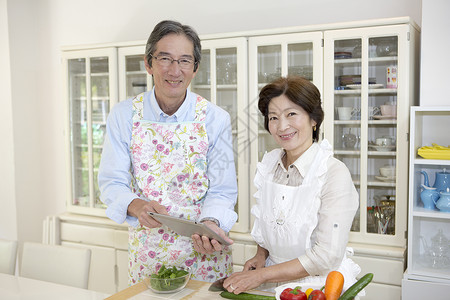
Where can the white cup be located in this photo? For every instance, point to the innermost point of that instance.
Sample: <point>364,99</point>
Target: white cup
<point>345,112</point>
<point>383,141</point>
<point>389,110</point>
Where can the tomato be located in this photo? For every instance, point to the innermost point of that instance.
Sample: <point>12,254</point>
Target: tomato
<point>317,295</point>
<point>293,294</point>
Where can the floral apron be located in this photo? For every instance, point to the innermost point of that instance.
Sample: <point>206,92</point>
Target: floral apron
<point>169,166</point>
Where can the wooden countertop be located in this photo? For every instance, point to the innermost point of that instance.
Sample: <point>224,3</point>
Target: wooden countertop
<point>194,290</point>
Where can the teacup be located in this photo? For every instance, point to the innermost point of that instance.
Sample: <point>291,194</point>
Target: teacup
<point>346,112</point>
<point>383,141</point>
<point>387,171</point>
<point>388,110</point>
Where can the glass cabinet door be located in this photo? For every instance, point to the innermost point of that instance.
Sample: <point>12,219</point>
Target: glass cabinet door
<point>361,110</point>
<point>222,79</point>
<point>133,77</point>
<point>91,95</point>
<point>269,58</point>
<point>272,57</point>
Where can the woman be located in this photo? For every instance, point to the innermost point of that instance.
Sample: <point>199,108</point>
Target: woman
<point>305,199</point>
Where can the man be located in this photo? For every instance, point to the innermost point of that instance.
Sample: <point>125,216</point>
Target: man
<point>169,151</point>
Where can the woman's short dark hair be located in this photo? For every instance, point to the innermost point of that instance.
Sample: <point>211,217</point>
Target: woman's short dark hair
<point>166,27</point>
<point>300,91</point>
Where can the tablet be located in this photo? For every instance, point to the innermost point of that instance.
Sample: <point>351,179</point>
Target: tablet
<point>187,227</point>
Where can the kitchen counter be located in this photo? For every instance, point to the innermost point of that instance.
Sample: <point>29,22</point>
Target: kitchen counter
<point>194,290</point>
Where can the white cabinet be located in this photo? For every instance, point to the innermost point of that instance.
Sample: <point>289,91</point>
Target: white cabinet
<point>222,79</point>
<point>367,70</point>
<point>108,242</point>
<point>91,91</point>
<point>428,229</point>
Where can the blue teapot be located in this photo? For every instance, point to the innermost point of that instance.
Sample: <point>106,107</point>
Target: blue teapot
<point>441,183</point>
<point>443,204</point>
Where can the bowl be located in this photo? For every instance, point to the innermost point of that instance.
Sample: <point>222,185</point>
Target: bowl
<point>387,171</point>
<point>168,279</point>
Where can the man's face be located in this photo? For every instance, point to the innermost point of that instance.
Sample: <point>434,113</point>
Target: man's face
<point>172,81</point>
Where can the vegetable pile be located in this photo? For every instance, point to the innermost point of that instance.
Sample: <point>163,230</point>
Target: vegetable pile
<point>168,279</point>
<point>331,291</point>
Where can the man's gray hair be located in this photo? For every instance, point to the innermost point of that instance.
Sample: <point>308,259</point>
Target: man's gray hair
<point>166,27</point>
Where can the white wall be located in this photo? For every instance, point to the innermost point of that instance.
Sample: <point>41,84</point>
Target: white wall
<point>8,212</point>
<point>38,29</point>
<point>435,60</point>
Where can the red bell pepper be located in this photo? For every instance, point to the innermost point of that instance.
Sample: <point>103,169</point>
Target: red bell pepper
<point>293,294</point>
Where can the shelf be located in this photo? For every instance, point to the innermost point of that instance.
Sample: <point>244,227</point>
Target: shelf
<point>426,213</point>
<point>371,92</point>
<point>431,162</point>
<point>218,87</point>
<point>371,59</point>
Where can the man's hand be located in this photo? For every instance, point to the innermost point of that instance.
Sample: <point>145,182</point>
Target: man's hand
<point>140,208</point>
<point>204,245</point>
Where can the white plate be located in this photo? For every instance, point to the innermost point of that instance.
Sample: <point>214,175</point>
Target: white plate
<point>382,148</point>
<point>387,179</point>
<point>371,86</point>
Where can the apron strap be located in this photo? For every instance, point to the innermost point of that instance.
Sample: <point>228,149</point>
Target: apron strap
<point>200,109</point>
<point>138,107</point>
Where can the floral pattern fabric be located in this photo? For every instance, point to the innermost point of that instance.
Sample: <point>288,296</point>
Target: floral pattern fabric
<point>169,166</point>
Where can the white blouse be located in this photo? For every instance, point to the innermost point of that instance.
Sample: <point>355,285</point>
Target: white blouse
<point>339,202</point>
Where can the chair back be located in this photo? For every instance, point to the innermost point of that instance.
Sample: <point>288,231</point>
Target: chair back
<point>56,263</point>
<point>8,256</point>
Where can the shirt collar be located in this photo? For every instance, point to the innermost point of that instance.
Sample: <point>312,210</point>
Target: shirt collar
<point>304,162</point>
<point>178,115</point>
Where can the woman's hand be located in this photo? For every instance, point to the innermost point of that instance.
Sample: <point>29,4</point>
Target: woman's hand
<point>202,244</point>
<point>243,281</point>
<point>256,262</point>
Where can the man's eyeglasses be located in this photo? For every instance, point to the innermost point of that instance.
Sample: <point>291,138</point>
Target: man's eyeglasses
<point>165,61</point>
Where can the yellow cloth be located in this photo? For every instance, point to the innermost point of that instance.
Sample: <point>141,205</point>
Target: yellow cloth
<point>435,152</point>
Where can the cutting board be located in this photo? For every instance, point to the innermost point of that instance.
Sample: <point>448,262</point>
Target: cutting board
<point>194,290</point>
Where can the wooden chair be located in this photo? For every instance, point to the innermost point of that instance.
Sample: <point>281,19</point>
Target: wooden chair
<point>8,256</point>
<point>56,263</point>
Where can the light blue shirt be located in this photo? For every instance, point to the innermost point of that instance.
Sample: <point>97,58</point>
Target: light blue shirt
<point>114,177</point>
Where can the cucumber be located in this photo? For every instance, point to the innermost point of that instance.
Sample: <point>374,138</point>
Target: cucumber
<point>245,296</point>
<point>357,287</point>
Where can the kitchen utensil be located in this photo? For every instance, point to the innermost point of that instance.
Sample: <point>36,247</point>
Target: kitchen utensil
<point>346,112</point>
<point>217,286</point>
<point>437,255</point>
<point>387,171</point>
<point>388,110</point>
<point>429,196</point>
<point>349,139</point>
<point>443,204</point>
<point>168,285</point>
<point>442,181</point>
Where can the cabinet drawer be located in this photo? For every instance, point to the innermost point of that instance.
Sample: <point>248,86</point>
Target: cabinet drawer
<point>386,271</point>
<point>87,234</point>
<point>376,291</point>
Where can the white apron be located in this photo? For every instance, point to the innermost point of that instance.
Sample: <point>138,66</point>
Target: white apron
<point>169,166</point>
<point>288,215</point>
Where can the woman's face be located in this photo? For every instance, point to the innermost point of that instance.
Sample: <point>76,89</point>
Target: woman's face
<point>290,125</point>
